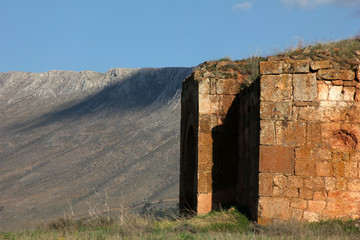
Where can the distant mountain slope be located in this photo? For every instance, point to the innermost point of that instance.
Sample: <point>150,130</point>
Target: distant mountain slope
<point>66,137</point>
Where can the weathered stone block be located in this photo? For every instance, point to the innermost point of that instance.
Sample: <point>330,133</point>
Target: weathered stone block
<point>339,169</point>
<point>332,74</point>
<point>337,82</point>
<point>310,113</point>
<point>299,66</point>
<point>299,204</point>
<point>306,193</point>
<point>204,123</point>
<point>198,74</point>
<point>335,93</point>
<point>273,67</point>
<point>324,169</point>
<point>265,184</point>
<point>295,181</point>
<point>326,104</point>
<point>276,87</point>
<point>354,185</point>
<point>321,153</point>
<point>334,113</point>
<point>204,85</point>
<point>205,167</point>
<point>276,110</point>
<point>290,133</point>
<point>349,83</point>
<point>314,183</point>
<point>357,95</point>
<point>208,74</point>
<point>330,183</point>
<point>322,91</point>
<point>342,196</point>
<point>334,209</point>
<point>225,102</point>
<point>304,164</point>
<point>355,157</point>
<point>316,65</point>
<point>313,134</point>
<point>353,114</point>
<point>205,105</point>
<point>349,93</point>
<point>351,169</point>
<point>341,184</point>
<point>296,214</point>
<point>320,195</point>
<point>205,140</point>
<point>316,206</point>
<point>284,187</point>
<point>285,192</point>
<point>280,180</point>
<point>278,159</point>
<point>205,158</point>
<point>274,208</point>
<point>304,87</point>
<point>204,203</point>
<point>267,132</point>
<point>310,216</point>
<point>227,86</point>
<point>358,73</point>
<point>204,182</point>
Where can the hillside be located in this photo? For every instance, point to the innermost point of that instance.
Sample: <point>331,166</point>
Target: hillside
<point>69,137</point>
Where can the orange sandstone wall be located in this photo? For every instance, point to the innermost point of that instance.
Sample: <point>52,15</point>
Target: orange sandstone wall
<point>309,141</point>
<point>285,147</point>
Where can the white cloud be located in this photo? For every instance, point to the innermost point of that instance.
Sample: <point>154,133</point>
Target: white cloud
<point>245,6</point>
<point>306,4</point>
<point>311,4</point>
<point>347,3</point>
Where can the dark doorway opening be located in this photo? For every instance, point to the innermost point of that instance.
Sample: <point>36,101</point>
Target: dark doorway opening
<point>188,200</point>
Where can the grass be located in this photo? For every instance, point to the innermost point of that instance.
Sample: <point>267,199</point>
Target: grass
<point>224,224</point>
<point>345,53</point>
<point>225,68</point>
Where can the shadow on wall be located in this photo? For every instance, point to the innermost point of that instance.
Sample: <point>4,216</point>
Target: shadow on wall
<point>236,153</point>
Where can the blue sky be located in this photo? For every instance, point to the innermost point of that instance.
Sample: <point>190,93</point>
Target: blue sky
<point>41,35</point>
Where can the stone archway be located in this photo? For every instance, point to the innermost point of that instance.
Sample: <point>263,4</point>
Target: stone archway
<point>188,190</point>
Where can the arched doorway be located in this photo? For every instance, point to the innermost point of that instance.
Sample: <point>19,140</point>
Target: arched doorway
<point>188,191</point>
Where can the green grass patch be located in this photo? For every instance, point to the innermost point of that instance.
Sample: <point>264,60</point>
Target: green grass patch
<point>224,224</point>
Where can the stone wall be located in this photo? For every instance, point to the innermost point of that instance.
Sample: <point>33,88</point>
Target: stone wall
<point>309,141</point>
<point>286,146</point>
<point>209,95</point>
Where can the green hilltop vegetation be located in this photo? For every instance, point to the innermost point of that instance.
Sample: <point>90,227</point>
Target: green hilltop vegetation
<point>344,54</point>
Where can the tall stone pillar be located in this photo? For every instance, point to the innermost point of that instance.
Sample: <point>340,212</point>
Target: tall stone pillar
<point>207,175</point>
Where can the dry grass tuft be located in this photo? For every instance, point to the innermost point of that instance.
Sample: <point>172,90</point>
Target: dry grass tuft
<point>224,224</point>
<point>345,53</point>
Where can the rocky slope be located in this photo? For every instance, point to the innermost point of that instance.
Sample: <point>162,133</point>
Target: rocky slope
<point>67,138</point>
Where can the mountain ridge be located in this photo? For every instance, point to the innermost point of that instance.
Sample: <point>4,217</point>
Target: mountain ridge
<point>69,136</point>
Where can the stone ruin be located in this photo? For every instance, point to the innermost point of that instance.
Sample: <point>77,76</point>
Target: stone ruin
<point>285,146</point>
